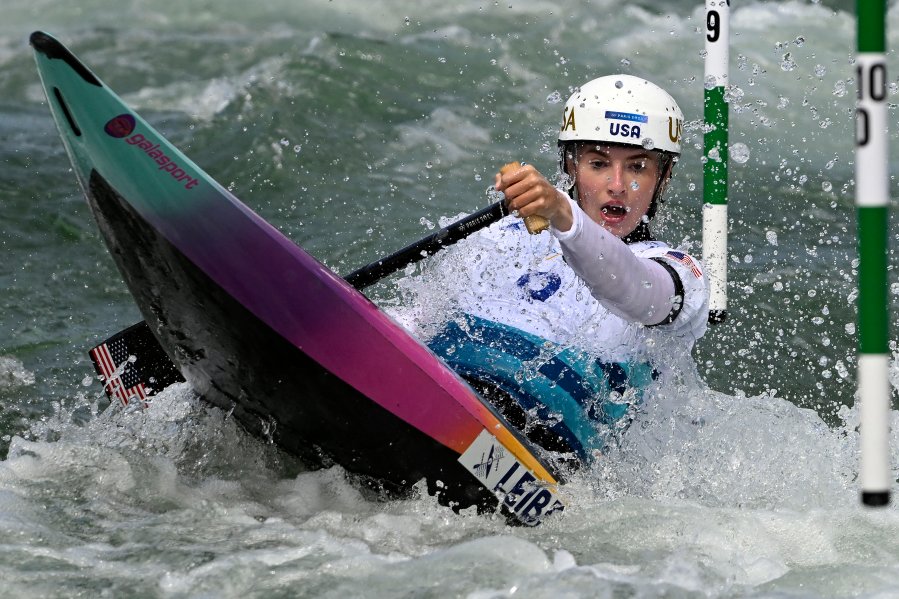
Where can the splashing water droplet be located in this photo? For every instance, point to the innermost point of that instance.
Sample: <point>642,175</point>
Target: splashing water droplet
<point>648,143</point>
<point>839,88</point>
<point>841,369</point>
<point>739,152</point>
<point>493,195</point>
<point>620,84</point>
<point>787,64</point>
<point>826,186</point>
<point>554,98</point>
<point>635,186</point>
<point>733,94</point>
<point>820,70</point>
<point>771,236</point>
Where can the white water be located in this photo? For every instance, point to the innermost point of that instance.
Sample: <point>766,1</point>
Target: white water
<point>715,496</point>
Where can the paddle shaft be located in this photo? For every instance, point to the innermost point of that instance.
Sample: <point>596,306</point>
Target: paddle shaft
<point>428,246</point>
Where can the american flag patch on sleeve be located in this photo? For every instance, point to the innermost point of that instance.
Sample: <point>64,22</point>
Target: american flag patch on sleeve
<point>686,260</point>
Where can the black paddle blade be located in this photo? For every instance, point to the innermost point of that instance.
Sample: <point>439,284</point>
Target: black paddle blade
<point>133,366</point>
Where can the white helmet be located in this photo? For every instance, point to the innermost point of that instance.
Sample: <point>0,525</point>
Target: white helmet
<point>623,109</point>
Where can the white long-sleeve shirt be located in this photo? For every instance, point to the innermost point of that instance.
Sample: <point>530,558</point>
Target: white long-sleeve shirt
<point>583,287</point>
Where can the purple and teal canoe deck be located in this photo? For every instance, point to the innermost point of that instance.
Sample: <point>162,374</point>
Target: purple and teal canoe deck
<point>257,325</point>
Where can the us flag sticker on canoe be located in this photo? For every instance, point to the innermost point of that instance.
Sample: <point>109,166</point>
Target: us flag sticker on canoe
<point>120,376</point>
<point>686,261</point>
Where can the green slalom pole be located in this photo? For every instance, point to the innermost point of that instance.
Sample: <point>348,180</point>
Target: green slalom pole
<point>714,190</point>
<point>872,205</point>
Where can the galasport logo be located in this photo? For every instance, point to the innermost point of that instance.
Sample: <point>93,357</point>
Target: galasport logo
<point>123,125</point>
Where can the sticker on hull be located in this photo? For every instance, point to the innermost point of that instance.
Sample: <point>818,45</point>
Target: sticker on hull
<point>526,496</point>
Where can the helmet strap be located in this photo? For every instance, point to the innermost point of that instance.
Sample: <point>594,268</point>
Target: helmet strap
<point>666,166</point>
<point>641,233</point>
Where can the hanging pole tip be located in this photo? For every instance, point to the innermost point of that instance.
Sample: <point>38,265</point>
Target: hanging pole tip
<point>717,316</point>
<point>876,498</point>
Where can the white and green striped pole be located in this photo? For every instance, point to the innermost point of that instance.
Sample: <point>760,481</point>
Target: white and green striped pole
<point>872,206</point>
<point>714,190</point>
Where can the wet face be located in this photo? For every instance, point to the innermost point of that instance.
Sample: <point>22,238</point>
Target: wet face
<point>615,184</point>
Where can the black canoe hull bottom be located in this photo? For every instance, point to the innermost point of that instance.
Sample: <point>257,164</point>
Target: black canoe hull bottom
<point>275,390</point>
